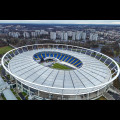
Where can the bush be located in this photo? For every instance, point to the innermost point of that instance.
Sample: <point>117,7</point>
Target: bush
<point>18,98</point>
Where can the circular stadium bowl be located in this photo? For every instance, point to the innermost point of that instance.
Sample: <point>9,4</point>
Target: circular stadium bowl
<point>92,75</point>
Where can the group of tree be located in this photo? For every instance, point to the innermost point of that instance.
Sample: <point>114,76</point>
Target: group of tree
<point>2,43</point>
<point>107,50</point>
<point>116,48</point>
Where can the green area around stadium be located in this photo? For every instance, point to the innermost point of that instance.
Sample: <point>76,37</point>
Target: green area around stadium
<point>102,98</point>
<point>5,49</point>
<point>0,69</point>
<point>59,66</point>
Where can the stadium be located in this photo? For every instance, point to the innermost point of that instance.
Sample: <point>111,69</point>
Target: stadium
<point>60,71</point>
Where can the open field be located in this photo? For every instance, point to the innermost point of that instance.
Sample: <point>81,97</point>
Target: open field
<point>59,66</point>
<point>5,49</point>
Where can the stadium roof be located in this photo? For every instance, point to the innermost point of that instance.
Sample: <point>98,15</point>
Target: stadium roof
<point>92,73</point>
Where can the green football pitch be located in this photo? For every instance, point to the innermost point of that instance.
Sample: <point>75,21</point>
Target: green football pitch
<point>59,66</point>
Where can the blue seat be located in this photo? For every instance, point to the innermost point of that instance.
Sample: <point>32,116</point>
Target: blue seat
<point>47,54</point>
<point>74,61</point>
<point>43,55</point>
<point>39,55</point>
<point>51,55</point>
<point>55,55</point>
<point>35,57</point>
<point>61,57</point>
<point>77,62</point>
<point>64,58</point>
<point>71,60</point>
<point>58,56</point>
<point>79,65</point>
<point>67,59</point>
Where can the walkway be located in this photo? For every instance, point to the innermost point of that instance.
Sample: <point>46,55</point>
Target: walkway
<point>4,88</point>
<point>108,96</point>
<point>114,92</point>
<point>9,95</point>
<point>115,89</point>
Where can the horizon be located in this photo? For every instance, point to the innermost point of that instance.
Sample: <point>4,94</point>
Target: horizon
<point>57,24</point>
<point>74,22</point>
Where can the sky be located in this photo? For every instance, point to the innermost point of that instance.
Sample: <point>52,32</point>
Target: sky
<point>63,21</point>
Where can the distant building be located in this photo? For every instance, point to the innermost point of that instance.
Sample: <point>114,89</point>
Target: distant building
<point>26,35</point>
<point>93,37</point>
<point>78,35</point>
<point>69,33</point>
<point>73,35</point>
<point>44,32</point>
<point>61,35</point>
<point>58,34</point>
<point>14,34</point>
<point>53,35</point>
<point>83,36</point>
<point>37,33</point>
<point>65,36</point>
<point>34,34</point>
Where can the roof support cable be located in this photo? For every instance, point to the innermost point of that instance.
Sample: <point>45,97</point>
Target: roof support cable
<point>79,79</point>
<point>71,79</point>
<point>47,77</point>
<point>55,78</point>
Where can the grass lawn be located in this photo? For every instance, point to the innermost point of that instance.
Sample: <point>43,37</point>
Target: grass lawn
<point>13,91</point>
<point>119,64</point>
<point>0,69</point>
<point>102,98</point>
<point>18,98</point>
<point>5,49</point>
<point>116,53</point>
<point>24,94</point>
<point>15,94</point>
<point>3,97</point>
<point>59,66</point>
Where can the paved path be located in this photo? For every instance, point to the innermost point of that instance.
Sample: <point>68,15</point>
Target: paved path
<point>112,94</point>
<point>4,88</point>
<point>115,89</point>
<point>108,96</point>
<point>1,98</point>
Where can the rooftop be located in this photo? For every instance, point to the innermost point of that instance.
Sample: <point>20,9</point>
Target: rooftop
<point>92,73</point>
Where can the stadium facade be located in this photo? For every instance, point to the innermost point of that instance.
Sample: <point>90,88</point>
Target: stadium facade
<point>92,75</point>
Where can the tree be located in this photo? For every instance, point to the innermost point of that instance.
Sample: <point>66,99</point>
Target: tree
<point>107,50</point>
<point>116,48</point>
